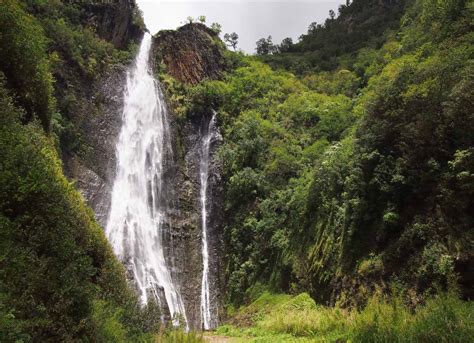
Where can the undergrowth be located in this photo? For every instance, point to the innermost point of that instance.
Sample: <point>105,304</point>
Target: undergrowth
<point>272,318</point>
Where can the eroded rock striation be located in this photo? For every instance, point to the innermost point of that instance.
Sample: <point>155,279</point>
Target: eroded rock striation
<point>191,53</point>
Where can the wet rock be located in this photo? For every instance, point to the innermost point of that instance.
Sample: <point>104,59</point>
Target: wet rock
<point>191,54</point>
<point>94,171</point>
<point>185,219</point>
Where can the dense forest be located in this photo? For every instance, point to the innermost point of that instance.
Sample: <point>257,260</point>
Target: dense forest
<point>347,166</point>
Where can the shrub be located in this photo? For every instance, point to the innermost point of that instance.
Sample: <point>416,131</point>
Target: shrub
<point>25,63</point>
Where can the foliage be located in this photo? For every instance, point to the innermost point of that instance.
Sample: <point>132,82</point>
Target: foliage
<point>217,28</point>
<point>325,47</point>
<point>298,319</point>
<point>265,46</point>
<point>202,19</point>
<point>275,129</point>
<point>25,63</point>
<point>231,39</point>
<point>55,261</point>
<point>76,58</point>
<point>173,336</point>
<point>324,191</point>
<point>59,279</point>
<point>344,180</point>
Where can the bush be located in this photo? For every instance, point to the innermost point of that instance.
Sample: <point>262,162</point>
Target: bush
<point>25,63</point>
<point>443,318</point>
<point>55,260</point>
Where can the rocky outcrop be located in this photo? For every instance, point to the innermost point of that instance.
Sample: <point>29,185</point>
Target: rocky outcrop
<point>116,21</point>
<point>191,53</point>
<point>94,170</point>
<point>185,217</point>
<point>96,105</point>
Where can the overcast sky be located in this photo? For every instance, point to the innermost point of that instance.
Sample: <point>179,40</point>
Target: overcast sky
<point>251,19</point>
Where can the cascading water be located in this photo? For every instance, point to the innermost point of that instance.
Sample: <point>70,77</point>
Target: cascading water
<point>206,317</point>
<point>136,223</point>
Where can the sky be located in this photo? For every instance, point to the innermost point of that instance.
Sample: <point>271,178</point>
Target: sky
<point>250,19</point>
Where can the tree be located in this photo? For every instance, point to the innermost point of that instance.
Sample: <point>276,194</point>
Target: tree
<point>312,27</point>
<point>231,39</point>
<point>265,46</point>
<point>25,63</point>
<point>286,44</point>
<point>332,14</point>
<point>341,9</point>
<point>190,20</point>
<point>202,19</point>
<point>216,27</point>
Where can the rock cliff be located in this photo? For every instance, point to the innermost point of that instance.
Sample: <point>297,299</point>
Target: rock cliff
<point>94,169</point>
<point>96,105</point>
<point>191,53</point>
<point>116,21</point>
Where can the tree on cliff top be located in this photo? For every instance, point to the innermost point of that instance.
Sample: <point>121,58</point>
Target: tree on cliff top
<point>231,39</point>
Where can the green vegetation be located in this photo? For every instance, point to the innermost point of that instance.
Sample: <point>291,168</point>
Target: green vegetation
<point>59,279</point>
<point>25,62</point>
<point>283,318</point>
<point>42,41</point>
<point>349,179</point>
<point>364,25</point>
<point>348,171</point>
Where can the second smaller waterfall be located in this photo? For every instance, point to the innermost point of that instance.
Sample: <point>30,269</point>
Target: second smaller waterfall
<point>207,135</point>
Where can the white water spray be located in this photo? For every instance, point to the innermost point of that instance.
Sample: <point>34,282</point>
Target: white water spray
<point>206,317</point>
<point>137,217</point>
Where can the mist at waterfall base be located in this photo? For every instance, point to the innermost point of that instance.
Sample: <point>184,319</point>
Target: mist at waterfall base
<point>137,215</point>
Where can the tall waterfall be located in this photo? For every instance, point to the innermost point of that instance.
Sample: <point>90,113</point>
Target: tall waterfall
<point>138,213</point>
<point>207,135</point>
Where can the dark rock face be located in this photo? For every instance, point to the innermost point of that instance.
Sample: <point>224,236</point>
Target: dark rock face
<point>95,171</point>
<point>114,21</point>
<point>185,218</point>
<point>97,112</point>
<point>191,53</point>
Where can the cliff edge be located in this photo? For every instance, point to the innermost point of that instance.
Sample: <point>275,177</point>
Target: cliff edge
<point>191,53</point>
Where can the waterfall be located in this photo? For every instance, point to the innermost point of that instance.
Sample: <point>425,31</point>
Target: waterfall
<point>207,135</point>
<point>138,210</point>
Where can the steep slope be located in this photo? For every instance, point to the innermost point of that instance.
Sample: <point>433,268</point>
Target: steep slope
<point>189,55</point>
<point>344,182</point>
<point>59,280</point>
<point>364,24</point>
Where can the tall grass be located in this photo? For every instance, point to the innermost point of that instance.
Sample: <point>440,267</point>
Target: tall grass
<point>444,318</point>
<point>179,336</point>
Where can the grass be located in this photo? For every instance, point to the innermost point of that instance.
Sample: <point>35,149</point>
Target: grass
<point>282,318</point>
<point>179,336</point>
